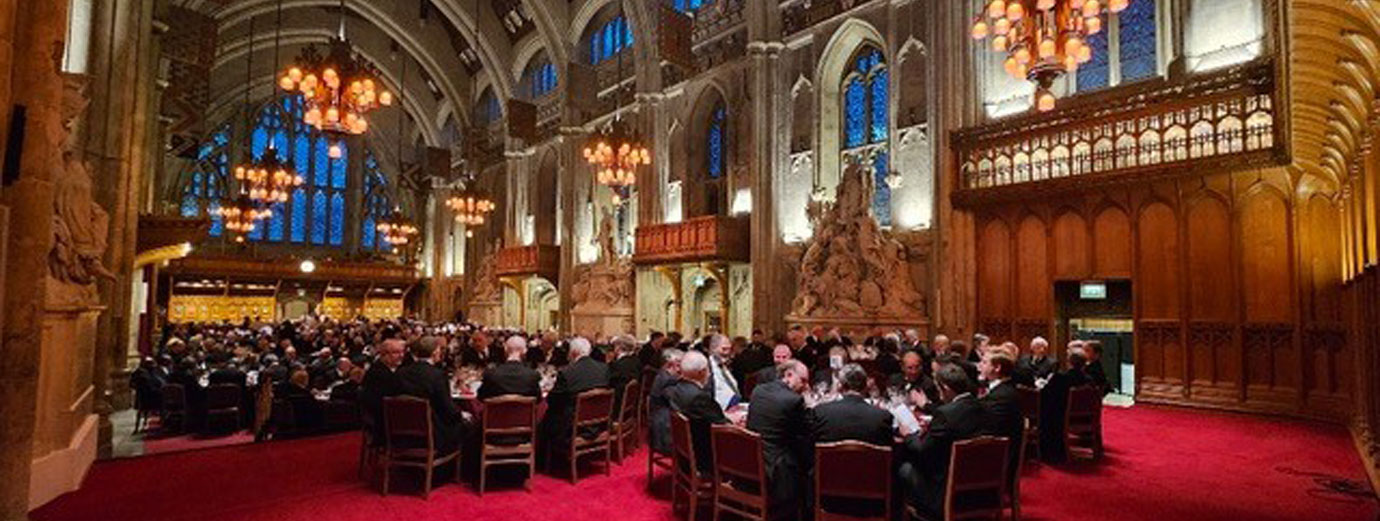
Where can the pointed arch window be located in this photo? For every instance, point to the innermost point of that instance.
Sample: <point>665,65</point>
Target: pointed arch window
<point>866,129</point>
<point>540,77</point>
<point>488,109</point>
<point>609,40</point>
<point>377,203</point>
<point>717,142</point>
<point>203,185</point>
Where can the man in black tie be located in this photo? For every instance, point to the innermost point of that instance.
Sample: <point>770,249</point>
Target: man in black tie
<point>1000,397</point>
<point>626,367</point>
<point>423,379</point>
<point>690,396</point>
<point>381,381</point>
<point>1037,364</point>
<point>925,467</point>
<point>756,357</point>
<point>851,417</point>
<point>777,412</point>
<point>582,374</point>
<point>721,380</point>
<point>659,402</point>
<point>512,377</point>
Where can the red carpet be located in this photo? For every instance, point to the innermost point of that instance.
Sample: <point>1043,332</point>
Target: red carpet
<point>189,442</point>
<point>1162,465</point>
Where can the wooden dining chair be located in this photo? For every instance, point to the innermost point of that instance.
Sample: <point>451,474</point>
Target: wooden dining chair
<point>223,407</point>
<point>509,436</point>
<point>174,408</point>
<point>976,482</point>
<point>590,431</point>
<point>410,442</point>
<point>852,482</point>
<point>625,424</point>
<point>686,476</point>
<point>1012,499</point>
<point>740,474</point>
<point>1083,423</point>
<point>1030,410</point>
<point>643,403</point>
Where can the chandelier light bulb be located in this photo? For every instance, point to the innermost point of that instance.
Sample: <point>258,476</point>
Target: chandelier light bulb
<point>1076,4</point>
<point>1093,25</point>
<point>1022,55</point>
<point>996,9</point>
<point>335,152</point>
<point>1047,49</point>
<point>1092,8</point>
<point>286,83</point>
<point>1044,5</point>
<point>1044,100</point>
<point>1015,11</point>
<point>999,43</point>
<point>1118,6</point>
<point>980,29</point>
<point>1002,26</point>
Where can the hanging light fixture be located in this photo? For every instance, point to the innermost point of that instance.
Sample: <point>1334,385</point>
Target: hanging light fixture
<point>1043,39</point>
<point>397,229</point>
<point>269,179</point>
<point>617,151</point>
<point>241,215</point>
<point>471,205</point>
<point>338,89</point>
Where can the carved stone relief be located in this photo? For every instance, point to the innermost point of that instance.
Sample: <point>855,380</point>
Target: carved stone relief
<point>80,225</point>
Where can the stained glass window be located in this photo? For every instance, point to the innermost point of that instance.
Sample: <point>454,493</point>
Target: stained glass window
<point>687,6</point>
<point>1096,74</point>
<point>540,77</point>
<point>610,39</point>
<point>337,219</point>
<point>1139,49</point>
<point>318,217</point>
<point>203,184</point>
<point>867,122</point>
<point>717,141</point>
<point>377,203</point>
<point>299,215</point>
<point>488,108</point>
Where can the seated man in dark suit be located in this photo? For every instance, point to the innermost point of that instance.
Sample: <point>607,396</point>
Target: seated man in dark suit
<point>925,468</point>
<point>755,357</point>
<point>348,391</point>
<point>380,381</point>
<point>582,374</point>
<point>777,412</point>
<point>691,397</point>
<point>1002,401</point>
<point>1035,365</point>
<point>851,417</point>
<point>779,356</point>
<point>1054,405</point>
<point>659,402</point>
<point>511,377</point>
<point>626,367</point>
<point>423,379</point>
<point>1097,375</point>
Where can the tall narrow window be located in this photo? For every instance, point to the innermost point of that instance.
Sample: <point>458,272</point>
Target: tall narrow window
<point>207,180</point>
<point>1135,55</point>
<point>609,40</point>
<point>377,204</point>
<point>717,138</point>
<point>866,130</point>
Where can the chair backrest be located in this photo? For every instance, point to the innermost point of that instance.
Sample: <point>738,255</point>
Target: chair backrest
<point>1084,408</point>
<point>853,470</point>
<point>683,443</point>
<point>977,478</point>
<point>406,417</point>
<point>223,396</point>
<point>1030,402</point>
<point>593,407</point>
<point>737,454</point>
<point>510,415</point>
<point>631,392</point>
<point>749,383</point>
<point>174,397</point>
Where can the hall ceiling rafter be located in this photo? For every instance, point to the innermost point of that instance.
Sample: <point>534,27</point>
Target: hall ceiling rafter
<point>1334,67</point>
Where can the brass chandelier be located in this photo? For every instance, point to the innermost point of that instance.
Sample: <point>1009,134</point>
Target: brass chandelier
<point>471,205</point>
<point>241,215</point>
<point>617,151</point>
<point>1043,39</point>
<point>269,179</point>
<point>397,230</point>
<point>338,89</point>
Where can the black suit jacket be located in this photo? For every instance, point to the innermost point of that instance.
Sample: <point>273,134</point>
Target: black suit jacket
<point>621,371</point>
<point>1030,368</point>
<point>779,415</point>
<point>580,376</point>
<point>659,411</point>
<point>851,418</point>
<point>698,405</point>
<point>510,378</point>
<point>379,382</point>
<point>751,360</point>
<point>429,382</point>
<point>958,420</point>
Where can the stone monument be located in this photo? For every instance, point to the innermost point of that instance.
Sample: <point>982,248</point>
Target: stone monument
<point>603,291</point>
<point>486,301</point>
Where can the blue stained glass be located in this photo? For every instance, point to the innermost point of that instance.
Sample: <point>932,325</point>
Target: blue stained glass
<point>205,150</point>
<point>217,226</point>
<point>881,111</point>
<point>338,167</point>
<point>301,156</point>
<point>275,223</point>
<point>628,40</point>
<point>222,137</point>
<point>318,218</point>
<point>594,50</point>
<point>260,141</point>
<point>337,219</point>
<point>1139,50</point>
<point>258,233</point>
<point>321,173</point>
<point>881,193</point>
<point>716,143</point>
<point>299,215</point>
<point>855,113</point>
<point>367,233</point>
<point>609,48</point>
<point>191,204</point>
<point>1095,74</point>
<point>280,144</point>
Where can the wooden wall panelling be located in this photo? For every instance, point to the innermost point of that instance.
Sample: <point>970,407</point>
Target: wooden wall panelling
<point>1111,241</point>
<point>1159,357</point>
<point>995,276</point>
<point>1072,246</point>
<point>1267,305</point>
<point>1215,364</point>
<point>1033,291</point>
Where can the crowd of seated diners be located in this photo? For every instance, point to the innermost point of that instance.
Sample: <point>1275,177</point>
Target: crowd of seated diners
<point>797,393</point>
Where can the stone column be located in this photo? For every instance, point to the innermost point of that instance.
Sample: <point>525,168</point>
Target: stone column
<point>354,198</point>
<point>37,35</point>
<point>573,177</point>
<point>954,105</point>
<point>771,138</point>
<point>654,123</point>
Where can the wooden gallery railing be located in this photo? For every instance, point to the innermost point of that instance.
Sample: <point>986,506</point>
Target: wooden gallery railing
<point>536,260</point>
<point>1218,120</point>
<point>700,239</point>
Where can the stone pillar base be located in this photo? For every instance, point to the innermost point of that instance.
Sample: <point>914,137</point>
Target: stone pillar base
<point>593,323</point>
<point>62,471</point>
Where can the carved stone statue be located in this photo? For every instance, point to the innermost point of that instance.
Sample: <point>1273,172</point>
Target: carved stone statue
<point>851,268</point>
<point>608,283</point>
<point>80,226</point>
<point>486,288</point>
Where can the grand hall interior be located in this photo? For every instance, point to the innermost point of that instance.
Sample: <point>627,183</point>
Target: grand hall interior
<point>689,260</point>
